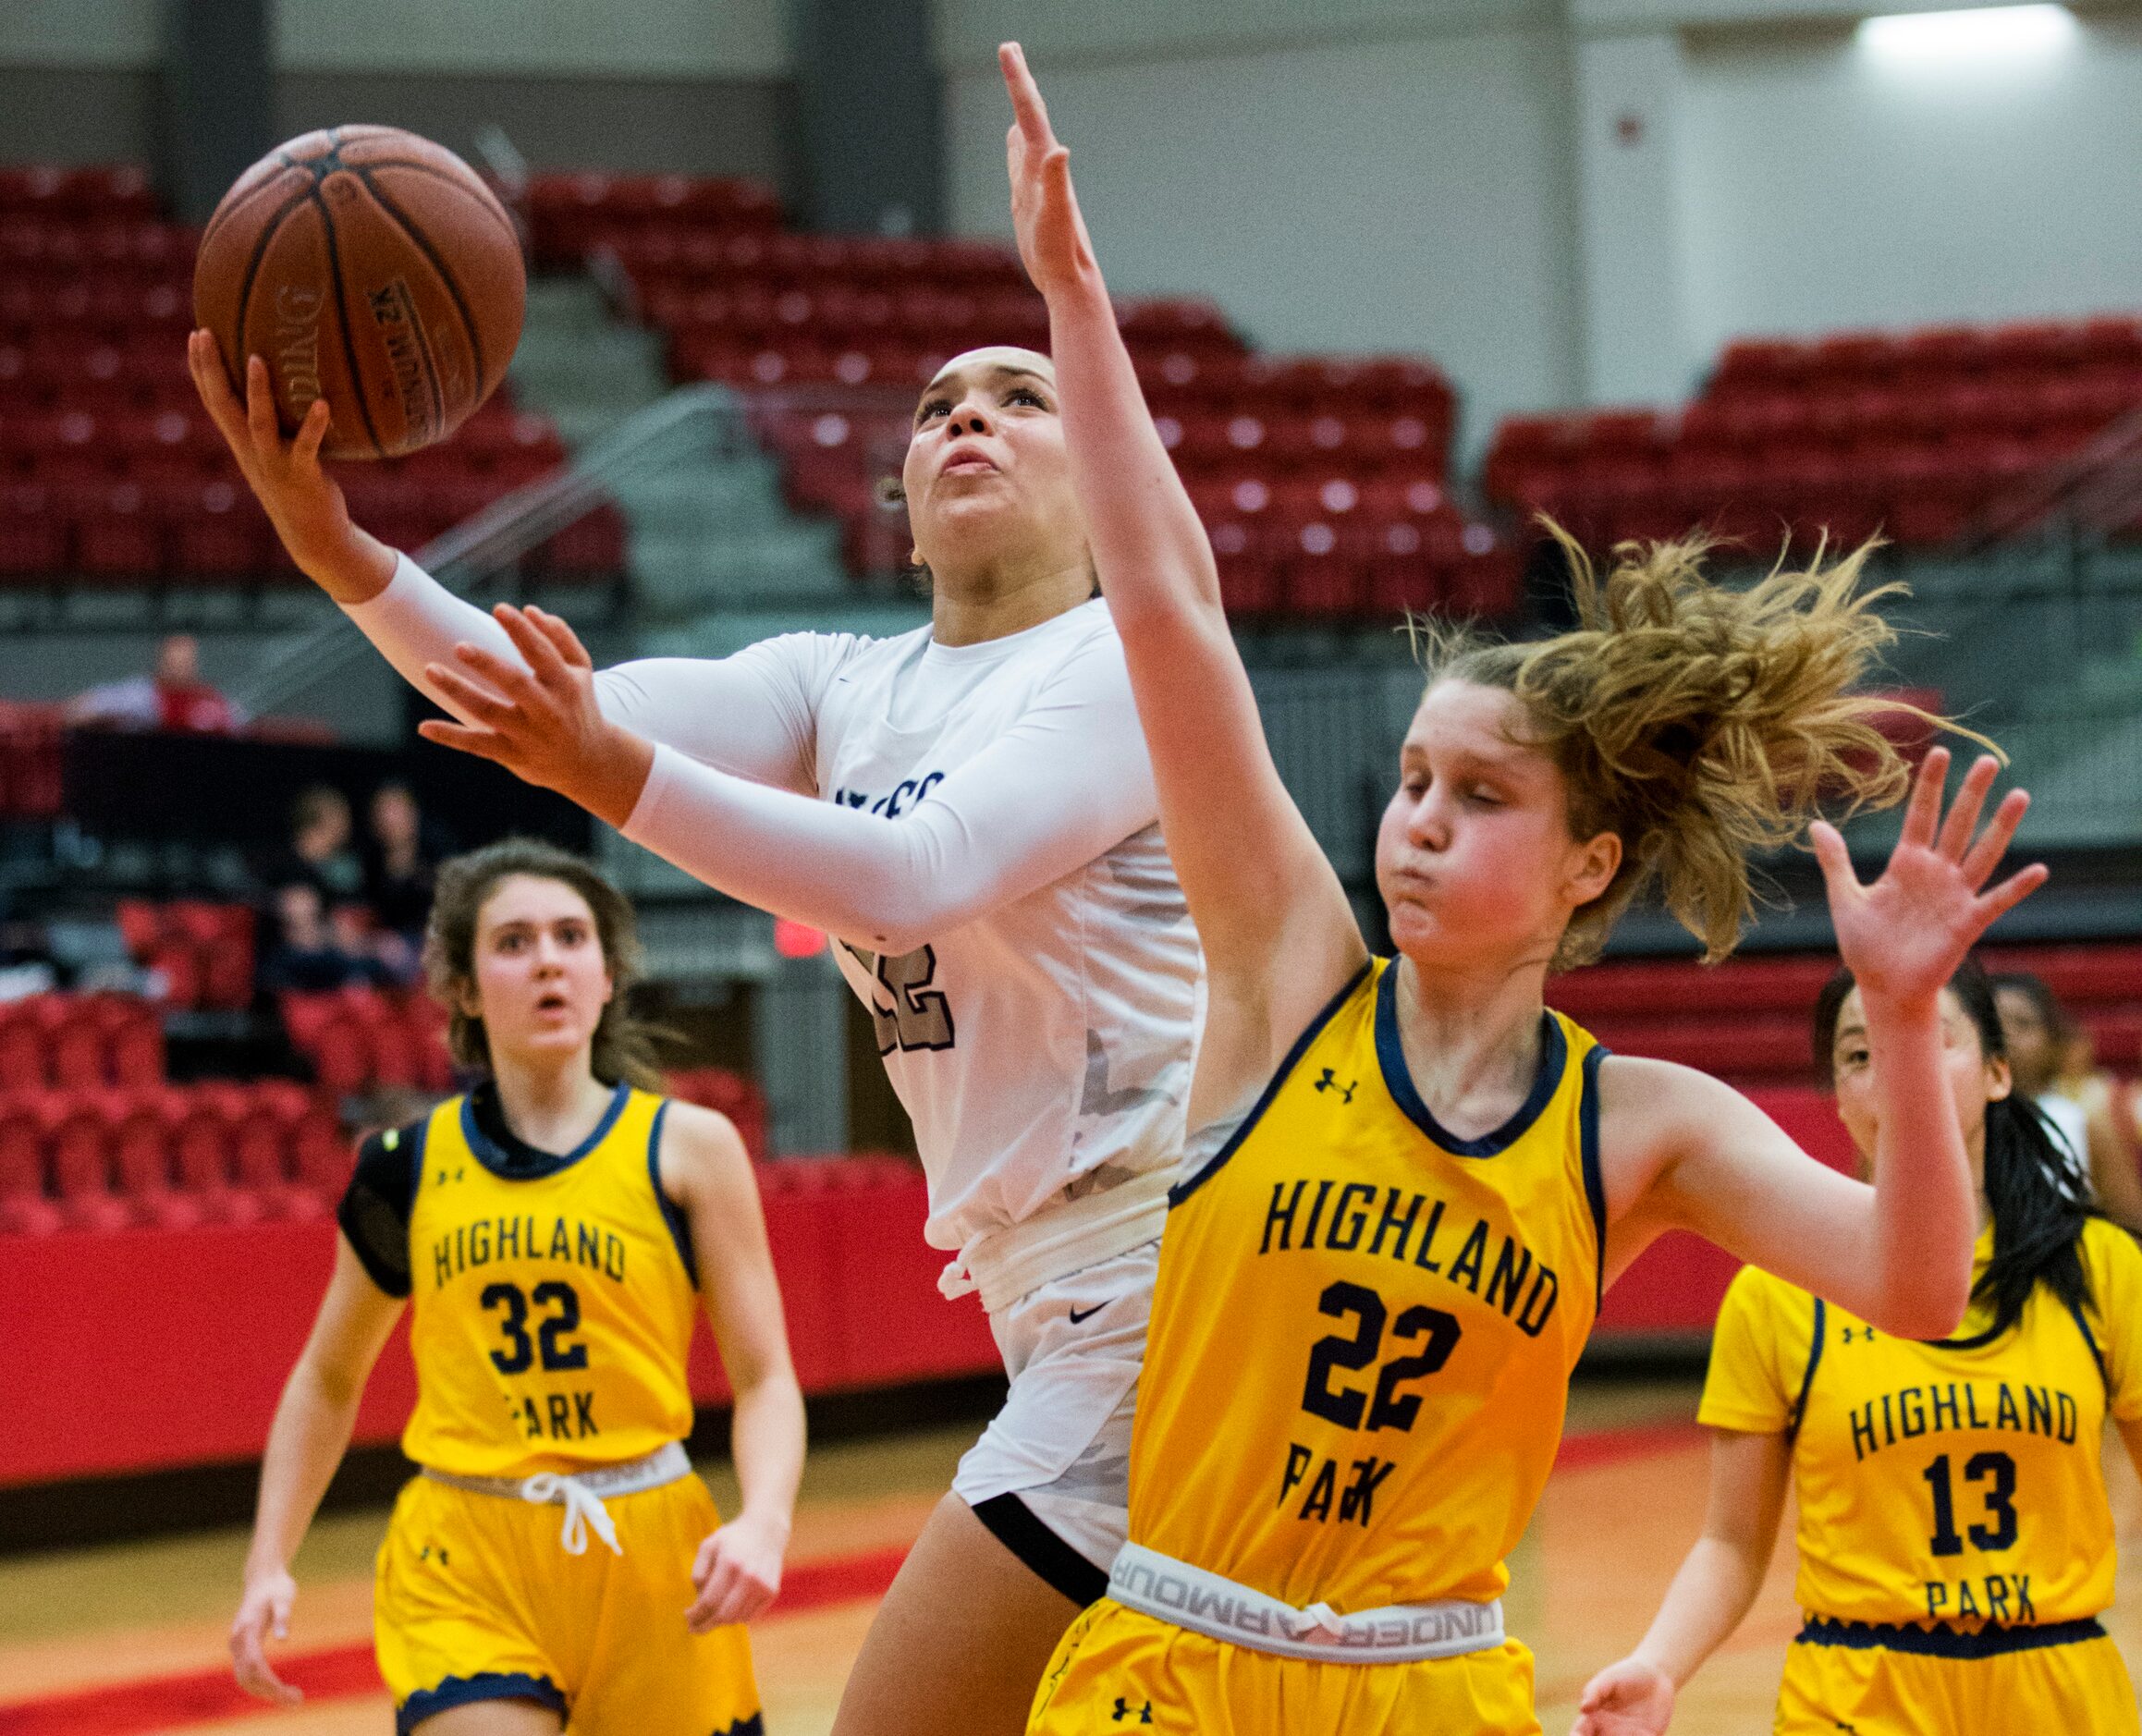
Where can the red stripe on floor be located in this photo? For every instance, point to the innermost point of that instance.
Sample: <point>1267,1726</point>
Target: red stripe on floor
<point>160,1703</point>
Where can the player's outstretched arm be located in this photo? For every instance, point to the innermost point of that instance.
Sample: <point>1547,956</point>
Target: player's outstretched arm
<point>746,713</point>
<point>311,1433</point>
<point>1710,1597</point>
<point>706,1171</point>
<point>1258,887</point>
<point>1066,782</point>
<point>1682,1149</point>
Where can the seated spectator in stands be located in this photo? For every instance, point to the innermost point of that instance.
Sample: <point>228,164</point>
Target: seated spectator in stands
<point>402,861</point>
<point>172,696</point>
<point>374,955</point>
<point>304,955</point>
<point>318,852</point>
<point>2051,1055</point>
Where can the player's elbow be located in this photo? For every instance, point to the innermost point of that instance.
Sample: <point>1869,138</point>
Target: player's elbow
<point>901,923</point>
<point>1930,1307</point>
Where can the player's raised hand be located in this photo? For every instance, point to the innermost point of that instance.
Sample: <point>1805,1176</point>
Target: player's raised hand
<point>1053,243</point>
<point>265,1609</point>
<point>738,1573</point>
<point>1904,936</point>
<point>303,501</point>
<point>1631,1698</point>
<point>542,722</point>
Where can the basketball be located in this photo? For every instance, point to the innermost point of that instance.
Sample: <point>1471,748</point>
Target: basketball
<point>370,267</point>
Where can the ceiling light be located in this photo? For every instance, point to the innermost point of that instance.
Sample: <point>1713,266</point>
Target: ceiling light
<point>1984,34</point>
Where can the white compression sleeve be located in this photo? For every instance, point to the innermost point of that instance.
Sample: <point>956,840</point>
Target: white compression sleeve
<point>1066,783</point>
<point>752,714</point>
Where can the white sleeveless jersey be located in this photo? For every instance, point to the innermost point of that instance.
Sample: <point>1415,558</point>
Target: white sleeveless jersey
<point>1053,1035</point>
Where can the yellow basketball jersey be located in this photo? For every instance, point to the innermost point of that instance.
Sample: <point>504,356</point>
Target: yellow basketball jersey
<point>1959,1481</point>
<point>1363,1327</point>
<point>551,1311</point>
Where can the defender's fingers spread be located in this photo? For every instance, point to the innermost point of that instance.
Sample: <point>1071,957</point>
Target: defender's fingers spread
<point>1833,858</point>
<point>1924,811</point>
<point>1985,855</point>
<point>1970,800</point>
<point>2011,892</point>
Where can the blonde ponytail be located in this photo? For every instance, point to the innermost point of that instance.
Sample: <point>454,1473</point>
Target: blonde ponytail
<point>1699,724</point>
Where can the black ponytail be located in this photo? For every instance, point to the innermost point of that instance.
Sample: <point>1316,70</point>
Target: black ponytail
<point>2040,1198</point>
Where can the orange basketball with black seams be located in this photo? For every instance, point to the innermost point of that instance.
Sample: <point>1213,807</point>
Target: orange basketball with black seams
<point>370,267</point>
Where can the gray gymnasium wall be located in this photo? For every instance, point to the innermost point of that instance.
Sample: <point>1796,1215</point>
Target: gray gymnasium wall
<point>700,86</point>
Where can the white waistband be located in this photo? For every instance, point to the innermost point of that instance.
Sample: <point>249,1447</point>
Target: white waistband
<point>581,1492</point>
<point>1008,1263</point>
<point>1169,1590</point>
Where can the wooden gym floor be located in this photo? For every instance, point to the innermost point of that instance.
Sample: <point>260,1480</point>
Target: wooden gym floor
<point>127,1639</point>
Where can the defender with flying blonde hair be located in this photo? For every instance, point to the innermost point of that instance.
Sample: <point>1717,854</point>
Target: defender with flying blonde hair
<point>1406,1181</point>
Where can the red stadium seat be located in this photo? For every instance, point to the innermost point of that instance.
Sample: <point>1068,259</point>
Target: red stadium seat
<point>33,533</point>
<point>77,1156</point>
<point>320,1156</point>
<point>203,1151</point>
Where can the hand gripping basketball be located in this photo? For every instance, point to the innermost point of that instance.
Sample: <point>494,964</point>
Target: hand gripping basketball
<point>1904,936</point>
<point>302,500</point>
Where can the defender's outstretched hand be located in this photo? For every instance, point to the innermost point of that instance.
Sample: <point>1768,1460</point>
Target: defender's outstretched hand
<point>1631,1698</point>
<point>540,722</point>
<point>1904,936</point>
<point>1053,243</point>
<point>303,501</point>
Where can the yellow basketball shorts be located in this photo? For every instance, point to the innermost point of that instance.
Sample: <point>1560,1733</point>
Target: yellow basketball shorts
<point>476,1599</point>
<point>1117,1670</point>
<point>1871,1689</point>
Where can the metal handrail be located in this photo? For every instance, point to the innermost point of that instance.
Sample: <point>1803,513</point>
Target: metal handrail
<point>485,547</point>
<point>2071,491</point>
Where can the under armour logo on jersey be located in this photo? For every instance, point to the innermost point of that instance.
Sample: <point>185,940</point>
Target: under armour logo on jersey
<point>445,1177</point>
<point>1866,1335</point>
<point>1331,1082</point>
<point>1143,1714</point>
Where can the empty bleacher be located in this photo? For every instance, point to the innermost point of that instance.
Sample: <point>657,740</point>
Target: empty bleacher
<point>1747,1020</point>
<point>1914,433</point>
<point>110,472</point>
<point>1324,481</point>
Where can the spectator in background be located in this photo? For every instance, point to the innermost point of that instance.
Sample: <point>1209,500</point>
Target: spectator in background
<point>318,852</point>
<point>306,955</point>
<point>172,696</point>
<point>2051,1059</point>
<point>400,865</point>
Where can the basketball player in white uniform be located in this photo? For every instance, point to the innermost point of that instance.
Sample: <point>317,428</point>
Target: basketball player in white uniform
<point>968,809</point>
